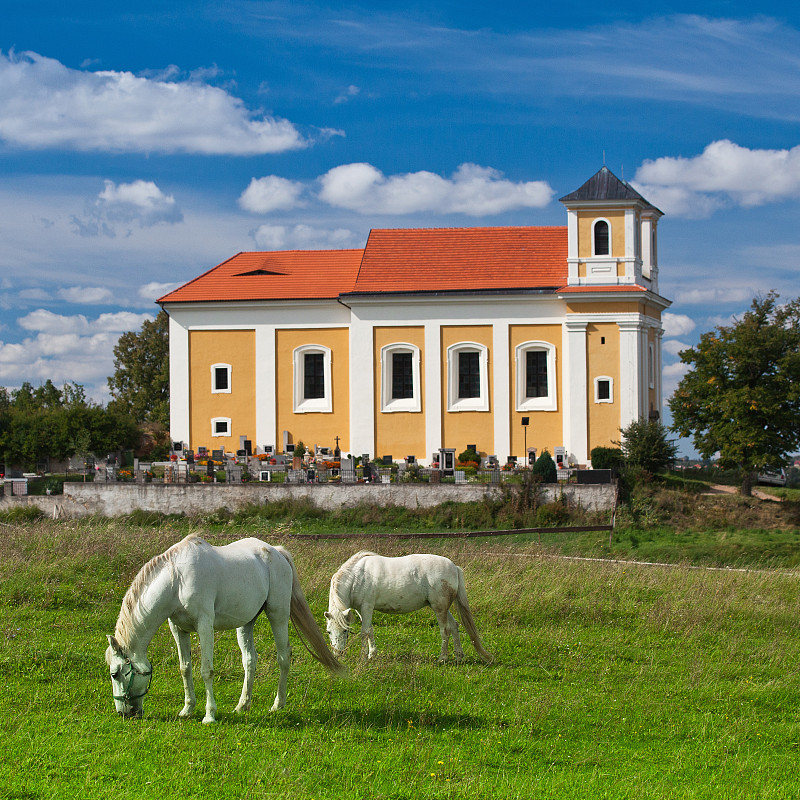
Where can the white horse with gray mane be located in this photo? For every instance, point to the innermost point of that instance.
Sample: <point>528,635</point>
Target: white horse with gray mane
<point>198,587</point>
<point>367,582</point>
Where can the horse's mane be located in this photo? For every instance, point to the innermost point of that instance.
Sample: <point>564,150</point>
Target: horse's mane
<point>343,578</point>
<point>127,619</point>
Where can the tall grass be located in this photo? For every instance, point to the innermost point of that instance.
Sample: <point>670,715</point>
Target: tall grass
<point>610,681</point>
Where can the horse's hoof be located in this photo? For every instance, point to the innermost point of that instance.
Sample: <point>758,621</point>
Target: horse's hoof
<point>240,709</point>
<point>207,720</point>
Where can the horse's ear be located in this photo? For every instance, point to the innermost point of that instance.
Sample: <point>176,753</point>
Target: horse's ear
<point>115,646</point>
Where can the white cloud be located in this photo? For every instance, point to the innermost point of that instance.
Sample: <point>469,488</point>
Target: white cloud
<point>712,296</point>
<point>47,322</point>
<point>673,346</point>
<point>723,174</point>
<point>270,193</point>
<point>471,190</point>
<point>86,295</point>
<point>304,237</point>
<point>154,290</point>
<point>348,94</point>
<point>676,324</point>
<point>44,104</point>
<point>39,295</point>
<point>139,203</point>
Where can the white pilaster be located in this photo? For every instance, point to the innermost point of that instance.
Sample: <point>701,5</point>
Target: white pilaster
<point>178,382</point>
<point>501,378</point>
<point>266,382</point>
<point>432,360</point>
<point>362,387</point>
<point>574,383</point>
<point>632,379</point>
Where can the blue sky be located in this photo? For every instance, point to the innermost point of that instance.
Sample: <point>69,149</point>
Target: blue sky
<point>141,145</point>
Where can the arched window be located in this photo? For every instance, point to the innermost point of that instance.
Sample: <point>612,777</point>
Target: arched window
<point>603,389</point>
<point>601,235</point>
<point>220,378</point>
<point>536,376</point>
<point>312,379</point>
<point>467,377</point>
<point>400,387</point>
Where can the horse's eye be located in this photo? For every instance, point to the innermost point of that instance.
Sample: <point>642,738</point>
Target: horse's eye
<point>117,675</point>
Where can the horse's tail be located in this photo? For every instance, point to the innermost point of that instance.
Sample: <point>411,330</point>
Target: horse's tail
<point>306,625</point>
<point>465,614</point>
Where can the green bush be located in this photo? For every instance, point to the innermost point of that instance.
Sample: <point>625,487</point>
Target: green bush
<point>545,468</point>
<point>606,458</point>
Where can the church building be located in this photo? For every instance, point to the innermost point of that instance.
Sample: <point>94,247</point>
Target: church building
<point>506,338</point>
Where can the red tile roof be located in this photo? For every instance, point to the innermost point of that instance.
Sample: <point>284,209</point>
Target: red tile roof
<point>404,260</point>
<point>283,275</point>
<point>447,259</point>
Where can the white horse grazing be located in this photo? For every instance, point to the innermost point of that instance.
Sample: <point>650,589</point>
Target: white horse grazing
<point>198,587</point>
<point>367,582</point>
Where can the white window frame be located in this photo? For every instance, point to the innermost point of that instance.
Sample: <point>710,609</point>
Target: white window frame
<point>313,405</point>
<point>214,368</point>
<point>226,420</point>
<point>454,402</point>
<point>610,381</point>
<point>594,246</point>
<point>549,402</point>
<point>391,405</point>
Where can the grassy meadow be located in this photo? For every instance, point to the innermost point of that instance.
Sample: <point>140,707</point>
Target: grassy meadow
<point>611,680</point>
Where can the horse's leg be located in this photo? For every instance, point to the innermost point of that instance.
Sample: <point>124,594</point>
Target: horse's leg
<point>367,631</point>
<point>184,646</point>
<point>205,632</point>
<point>247,645</point>
<point>458,650</point>
<point>444,629</point>
<point>279,621</point>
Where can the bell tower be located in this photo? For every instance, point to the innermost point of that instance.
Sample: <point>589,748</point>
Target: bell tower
<point>612,234</point>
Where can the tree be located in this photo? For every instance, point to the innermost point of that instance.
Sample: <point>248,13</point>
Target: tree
<point>645,445</point>
<point>140,383</point>
<point>742,396</point>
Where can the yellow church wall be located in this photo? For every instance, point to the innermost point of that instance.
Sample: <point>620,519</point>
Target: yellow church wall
<point>236,348</point>
<point>546,428</point>
<point>461,428</point>
<point>616,218</point>
<point>602,360</point>
<point>313,428</point>
<point>399,433</point>
<point>622,307</point>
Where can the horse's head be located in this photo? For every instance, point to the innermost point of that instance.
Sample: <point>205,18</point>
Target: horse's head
<point>339,624</point>
<point>130,680</point>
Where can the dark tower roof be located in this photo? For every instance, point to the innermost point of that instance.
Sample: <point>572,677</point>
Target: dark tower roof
<point>605,186</point>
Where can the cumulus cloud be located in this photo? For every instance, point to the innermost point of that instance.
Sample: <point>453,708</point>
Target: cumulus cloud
<point>140,203</point>
<point>304,237</point>
<point>44,104</point>
<point>723,174</point>
<point>471,190</point>
<point>59,324</point>
<point>67,348</point>
<point>673,347</point>
<point>713,295</point>
<point>86,295</point>
<point>676,324</point>
<point>154,290</point>
<point>271,193</point>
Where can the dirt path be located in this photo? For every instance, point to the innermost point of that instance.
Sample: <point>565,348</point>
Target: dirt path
<point>720,489</point>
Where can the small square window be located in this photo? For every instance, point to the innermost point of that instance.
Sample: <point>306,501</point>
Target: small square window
<point>221,426</point>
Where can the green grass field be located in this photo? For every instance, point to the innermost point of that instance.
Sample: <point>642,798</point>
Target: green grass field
<point>611,681</point>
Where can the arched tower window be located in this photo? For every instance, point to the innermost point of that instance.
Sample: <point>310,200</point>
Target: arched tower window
<point>601,238</point>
